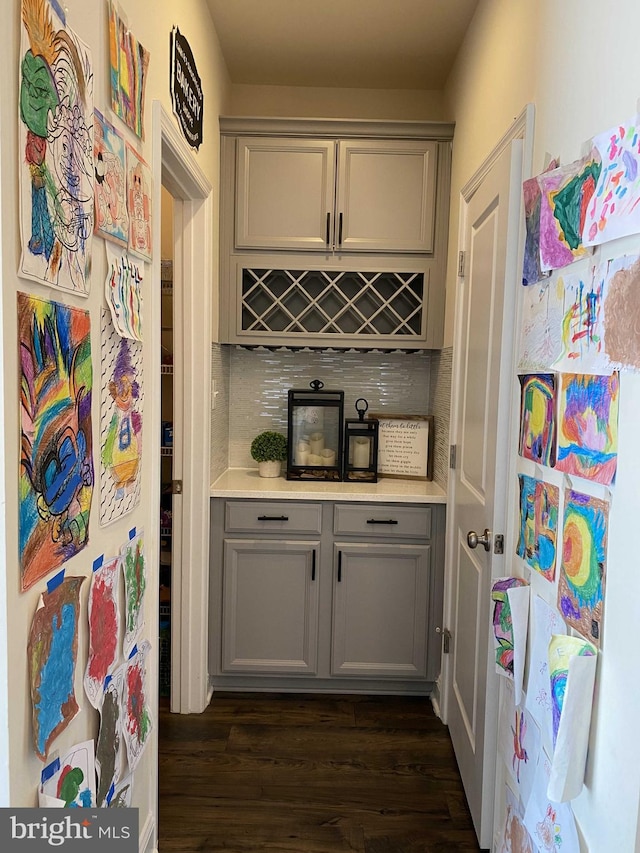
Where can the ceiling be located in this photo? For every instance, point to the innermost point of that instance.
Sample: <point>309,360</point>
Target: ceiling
<point>371,44</point>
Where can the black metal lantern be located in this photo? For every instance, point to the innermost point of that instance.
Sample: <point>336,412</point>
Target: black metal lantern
<point>315,433</point>
<point>361,447</point>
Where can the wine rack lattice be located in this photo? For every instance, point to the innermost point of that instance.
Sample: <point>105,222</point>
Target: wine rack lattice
<point>321,302</point>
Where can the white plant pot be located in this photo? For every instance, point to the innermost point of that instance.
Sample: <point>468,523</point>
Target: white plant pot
<point>269,469</point>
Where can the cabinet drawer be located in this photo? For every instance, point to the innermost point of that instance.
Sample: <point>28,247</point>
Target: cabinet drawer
<point>383,520</point>
<point>272,517</point>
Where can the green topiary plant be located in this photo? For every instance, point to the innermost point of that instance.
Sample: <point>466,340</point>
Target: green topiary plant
<point>269,446</point>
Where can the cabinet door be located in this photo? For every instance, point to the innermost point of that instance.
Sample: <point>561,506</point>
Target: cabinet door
<point>380,606</point>
<point>285,193</point>
<point>270,606</point>
<point>386,196</point>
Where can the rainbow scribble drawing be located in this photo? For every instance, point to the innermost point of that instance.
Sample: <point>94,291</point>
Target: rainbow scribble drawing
<point>538,417</point>
<point>614,209</point>
<point>56,466</point>
<point>588,426</point>
<point>538,525</point>
<point>128,72</point>
<point>137,723</point>
<point>51,652</point>
<point>583,347</point>
<point>104,625</point>
<point>566,192</point>
<point>503,623</point>
<point>561,649</point>
<point>583,565</point>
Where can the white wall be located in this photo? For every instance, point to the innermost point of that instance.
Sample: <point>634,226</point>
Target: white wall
<point>579,64</point>
<point>151,22</point>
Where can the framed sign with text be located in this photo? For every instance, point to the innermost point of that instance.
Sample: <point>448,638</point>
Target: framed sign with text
<point>405,446</point>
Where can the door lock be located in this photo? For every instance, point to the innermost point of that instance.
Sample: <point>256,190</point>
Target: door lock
<point>473,540</point>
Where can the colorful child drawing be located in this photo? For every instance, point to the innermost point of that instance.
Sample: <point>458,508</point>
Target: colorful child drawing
<point>111,218</point>
<point>56,479</point>
<point>538,525</point>
<point>537,417</point>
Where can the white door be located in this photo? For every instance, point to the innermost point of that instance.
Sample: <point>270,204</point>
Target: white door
<point>482,395</point>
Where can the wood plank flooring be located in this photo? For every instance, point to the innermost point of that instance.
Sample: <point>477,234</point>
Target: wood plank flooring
<point>310,774</point>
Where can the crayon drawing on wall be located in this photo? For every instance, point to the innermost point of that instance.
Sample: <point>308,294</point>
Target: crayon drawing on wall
<point>614,209</point>
<point>540,341</point>
<point>538,417</point>
<point>551,825</point>
<point>137,722</point>
<point>588,426</point>
<point>121,413</point>
<point>110,186</point>
<point>56,466</point>
<point>546,622</point>
<point>583,566</point>
<point>135,582</point>
<point>566,192</point>
<point>519,742</point>
<point>583,346</point>
<point>104,627</point>
<point>538,525</point>
<point>56,151</point>
<point>110,743</point>
<point>123,292</point>
<point>621,313</point>
<point>70,780</point>
<point>139,187</point>
<point>510,598</point>
<point>51,653</point>
<point>128,73</point>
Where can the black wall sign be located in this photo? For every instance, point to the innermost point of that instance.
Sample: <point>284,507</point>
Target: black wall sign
<point>186,88</point>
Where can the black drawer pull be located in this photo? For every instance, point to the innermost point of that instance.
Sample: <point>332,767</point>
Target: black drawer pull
<point>382,521</point>
<point>328,228</point>
<point>339,566</point>
<point>313,565</point>
<point>273,518</point>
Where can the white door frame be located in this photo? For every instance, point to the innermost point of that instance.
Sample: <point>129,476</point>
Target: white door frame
<point>175,168</point>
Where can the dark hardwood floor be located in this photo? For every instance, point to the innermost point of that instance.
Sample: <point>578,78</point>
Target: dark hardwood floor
<point>310,774</point>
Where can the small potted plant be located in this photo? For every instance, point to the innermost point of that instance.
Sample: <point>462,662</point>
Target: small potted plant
<point>269,449</point>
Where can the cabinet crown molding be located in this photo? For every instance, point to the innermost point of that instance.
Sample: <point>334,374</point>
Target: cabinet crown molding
<point>330,128</point>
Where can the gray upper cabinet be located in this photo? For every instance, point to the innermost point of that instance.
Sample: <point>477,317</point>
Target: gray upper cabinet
<point>343,196</point>
<point>333,232</point>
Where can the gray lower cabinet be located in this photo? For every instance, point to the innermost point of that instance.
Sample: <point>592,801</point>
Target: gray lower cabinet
<point>316,595</point>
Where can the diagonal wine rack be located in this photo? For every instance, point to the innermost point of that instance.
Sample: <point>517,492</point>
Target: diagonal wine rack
<point>321,302</point>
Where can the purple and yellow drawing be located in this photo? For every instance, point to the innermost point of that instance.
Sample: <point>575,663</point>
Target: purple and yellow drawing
<point>561,649</point>
<point>56,465</point>
<point>538,525</point>
<point>503,623</point>
<point>52,650</point>
<point>538,417</point>
<point>129,62</point>
<point>583,566</point>
<point>588,426</point>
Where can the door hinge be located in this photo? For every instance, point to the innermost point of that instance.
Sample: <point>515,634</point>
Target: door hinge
<point>498,544</point>
<point>446,639</point>
<point>176,487</point>
<point>462,258</point>
<point>453,453</point>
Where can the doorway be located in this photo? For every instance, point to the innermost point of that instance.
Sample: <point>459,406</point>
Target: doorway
<point>192,278</point>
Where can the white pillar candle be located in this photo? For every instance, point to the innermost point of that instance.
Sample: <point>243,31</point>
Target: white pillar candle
<point>328,456</point>
<point>314,459</point>
<point>302,453</point>
<point>361,453</point>
<point>316,442</point>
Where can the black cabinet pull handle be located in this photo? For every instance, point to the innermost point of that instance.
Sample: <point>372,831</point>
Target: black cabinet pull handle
<point>340,230</point>
<point>339,566</point>
<point>313,565</point>
<point>382,521</point>
<point>273,518</point>
<point>328,228</point>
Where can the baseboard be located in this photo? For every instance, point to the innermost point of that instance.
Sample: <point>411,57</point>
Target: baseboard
<point>147,838</point>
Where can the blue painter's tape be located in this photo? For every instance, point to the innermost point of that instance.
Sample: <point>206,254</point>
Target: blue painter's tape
<point>110,793</point>
<point>134,651</point>
<point>132,533</point>
<point>55,581</point>
<point>107,682</point>
<point>97,563</point>
<point>50,770</point>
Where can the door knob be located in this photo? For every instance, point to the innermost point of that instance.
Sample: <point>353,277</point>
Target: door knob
<point>473,540</point>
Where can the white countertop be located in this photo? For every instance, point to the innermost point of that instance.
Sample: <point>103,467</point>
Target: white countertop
<point>246,483</point>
